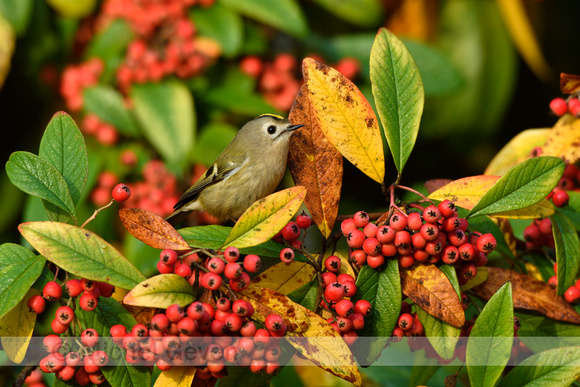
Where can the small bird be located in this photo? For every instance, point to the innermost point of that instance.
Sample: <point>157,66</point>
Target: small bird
<point>249,169</point>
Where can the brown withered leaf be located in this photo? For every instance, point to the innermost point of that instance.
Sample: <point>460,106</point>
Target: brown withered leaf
<point>569,83</point>
<point>143,315</point>
<point>434,184</point>
<point>528,293</point>
<point>315,164</point>
<point>564,139</point>
<point>430,288</point>
<point>152,229</point>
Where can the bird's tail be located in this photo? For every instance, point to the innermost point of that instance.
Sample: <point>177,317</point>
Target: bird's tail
<point>178,216</point>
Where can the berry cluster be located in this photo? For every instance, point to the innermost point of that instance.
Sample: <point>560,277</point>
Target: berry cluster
<point>84,364</point>
<point>76,78</point>
<point>347,317</point>
<point>572,294</point>
<point>166,41</point>
<point>539,233</point>
<point>290,235</point>
<point>205,336</point>
<point>103,132</point>
<point>560,106</point>
<point>435,234</point>
<point>157,193</point>
<point>408,325</point>
<point>277,80</point>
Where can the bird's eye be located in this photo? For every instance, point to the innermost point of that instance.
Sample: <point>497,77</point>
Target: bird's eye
<point>271,129</point>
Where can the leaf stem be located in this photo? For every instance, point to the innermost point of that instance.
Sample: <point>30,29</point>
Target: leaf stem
<point>94,215</point>
<point>423,197</point>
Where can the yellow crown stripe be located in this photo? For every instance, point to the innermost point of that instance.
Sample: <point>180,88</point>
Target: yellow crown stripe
<point>272,115</point>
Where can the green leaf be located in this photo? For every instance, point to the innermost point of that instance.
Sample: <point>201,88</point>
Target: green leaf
<point>11,253</point>
<point>439,75</point>
<point>522,186</point>
<point>214,236</point>
<point>490,341</point>
<point>222,25</point>
<point>398,92</point>
<point>161,291</point>
<point>539,332</point>
<point>167,116</point>
<point>16,279</point>
<point>237,100</point>
<point>572,210</point>
<point>383,290</point>
<point>37,177</point>
<point>284,15</point>
<point>108,313</point>
<point>363,13</point>
<point>451,274</point>
<point>442,336</point>
<point>306,294</point>
<point>17,13</point>
<point>108,104</point>
<point>551,368</point>
<point>212,140</point>
<point>81,252</point>
<point>567,251</point>
<point>63,146</point>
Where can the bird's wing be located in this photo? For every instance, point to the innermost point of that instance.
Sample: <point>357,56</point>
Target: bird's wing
<point>213,175</point>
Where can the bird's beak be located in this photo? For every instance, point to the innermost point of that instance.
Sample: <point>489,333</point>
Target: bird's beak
<point>292,128</point>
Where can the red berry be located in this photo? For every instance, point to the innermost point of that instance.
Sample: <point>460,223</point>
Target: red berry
<point>457,237</point>
<point>88,302</point>
<point>252,263</point>
<point>386,234</point>
<point>187,326</point>
<point>174,313</point>
<point>553,281</point>
<point>287,255</point>
<point>572,295</point>
<point>405,321</point>
<point>303,221</point>
<point>240,283</point>
<point>36,304</point>
<point>57,327</point>
<point>64,315</point>
<point>447,208</point>
<point>88,285</point>
<point>486,243</point>
<point>52,291</point>
<point>140,330</point>
<point>344,277</point>
<point>274,323</point>
<point>211,281</point>
<point>545,226</point>
<point>344,308</point>
<point>89,337</point>
<point>450,254</point>
<point>232,270</point>
<point>406,260</point>
<point>100,358</point>
<point>429,232</point>
<point>332,263</point>
<point>418,241</point>
<point>334,291</point>
<point>119,331</point>
<point>416,330</point>
<point>349,288</point>
<point>559,106</point>
<point>372,246</point>
<point>163,268</point>
<point>467,271</point>
<point>421,255</point>
<point>574,107</point>
<point>397,335</point>
<point>560,198</point>
<point>251,65</point>
<point>216,265</point>
<point>363,307</point>
<point>360,219</point>
<point>106,289</point>
<point>328,277</point>
<point>347,226</point>
<point>376,261</point>
<point>231,254</point>
<point>291,231</point>
<point>358,256</point>
<point>73,287</point>
<point>403,240</point>
<point>466,252</point>
<point>224,304</point>
<point>66,374</point>
<point>349,67</point>
<point>183,271</point>
<point>355,238</point>
<point>52,343</point>
<point>414,221</point>
<point>431,214</point>
<point>398,222</point>
<point>370,230</point>
<point>168,257</point>
<point>121,193</point>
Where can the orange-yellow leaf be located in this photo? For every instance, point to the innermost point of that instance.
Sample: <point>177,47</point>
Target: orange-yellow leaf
<point>516,151</point>
<point>431,290</point>
<point>528,293</point>
<point>345,266</point>
<point>152,229</point>
<point>266,217</point>
<point>16,329</point>
<point>467,191</point>
<point>569,83</point>
<point>564,140</point>
<point>345,117</point>
<point>176,377</point>
<point>285,278</point>
<point>307,332</point>
<point>315,164</point>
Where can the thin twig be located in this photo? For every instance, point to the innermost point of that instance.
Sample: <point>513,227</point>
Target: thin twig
<point>94,215</point>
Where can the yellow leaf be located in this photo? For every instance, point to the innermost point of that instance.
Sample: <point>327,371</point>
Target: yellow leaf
<point>16,329</point>
<point>315,164</point>
<point>285,278</point>
<point>345,117</point>
<point>564,140</point>
<point>467,191</point>
<point>176,377</point>
<point>522,33</point>
<point>73,8</point>
<point>7,40</point>
<point>307,332</point>
<point>266,217</point>
<point>161,291</point>
<point>533,271</point>
<point>516,151</point>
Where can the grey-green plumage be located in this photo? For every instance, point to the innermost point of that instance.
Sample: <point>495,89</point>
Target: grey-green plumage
<point>249,169</point>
